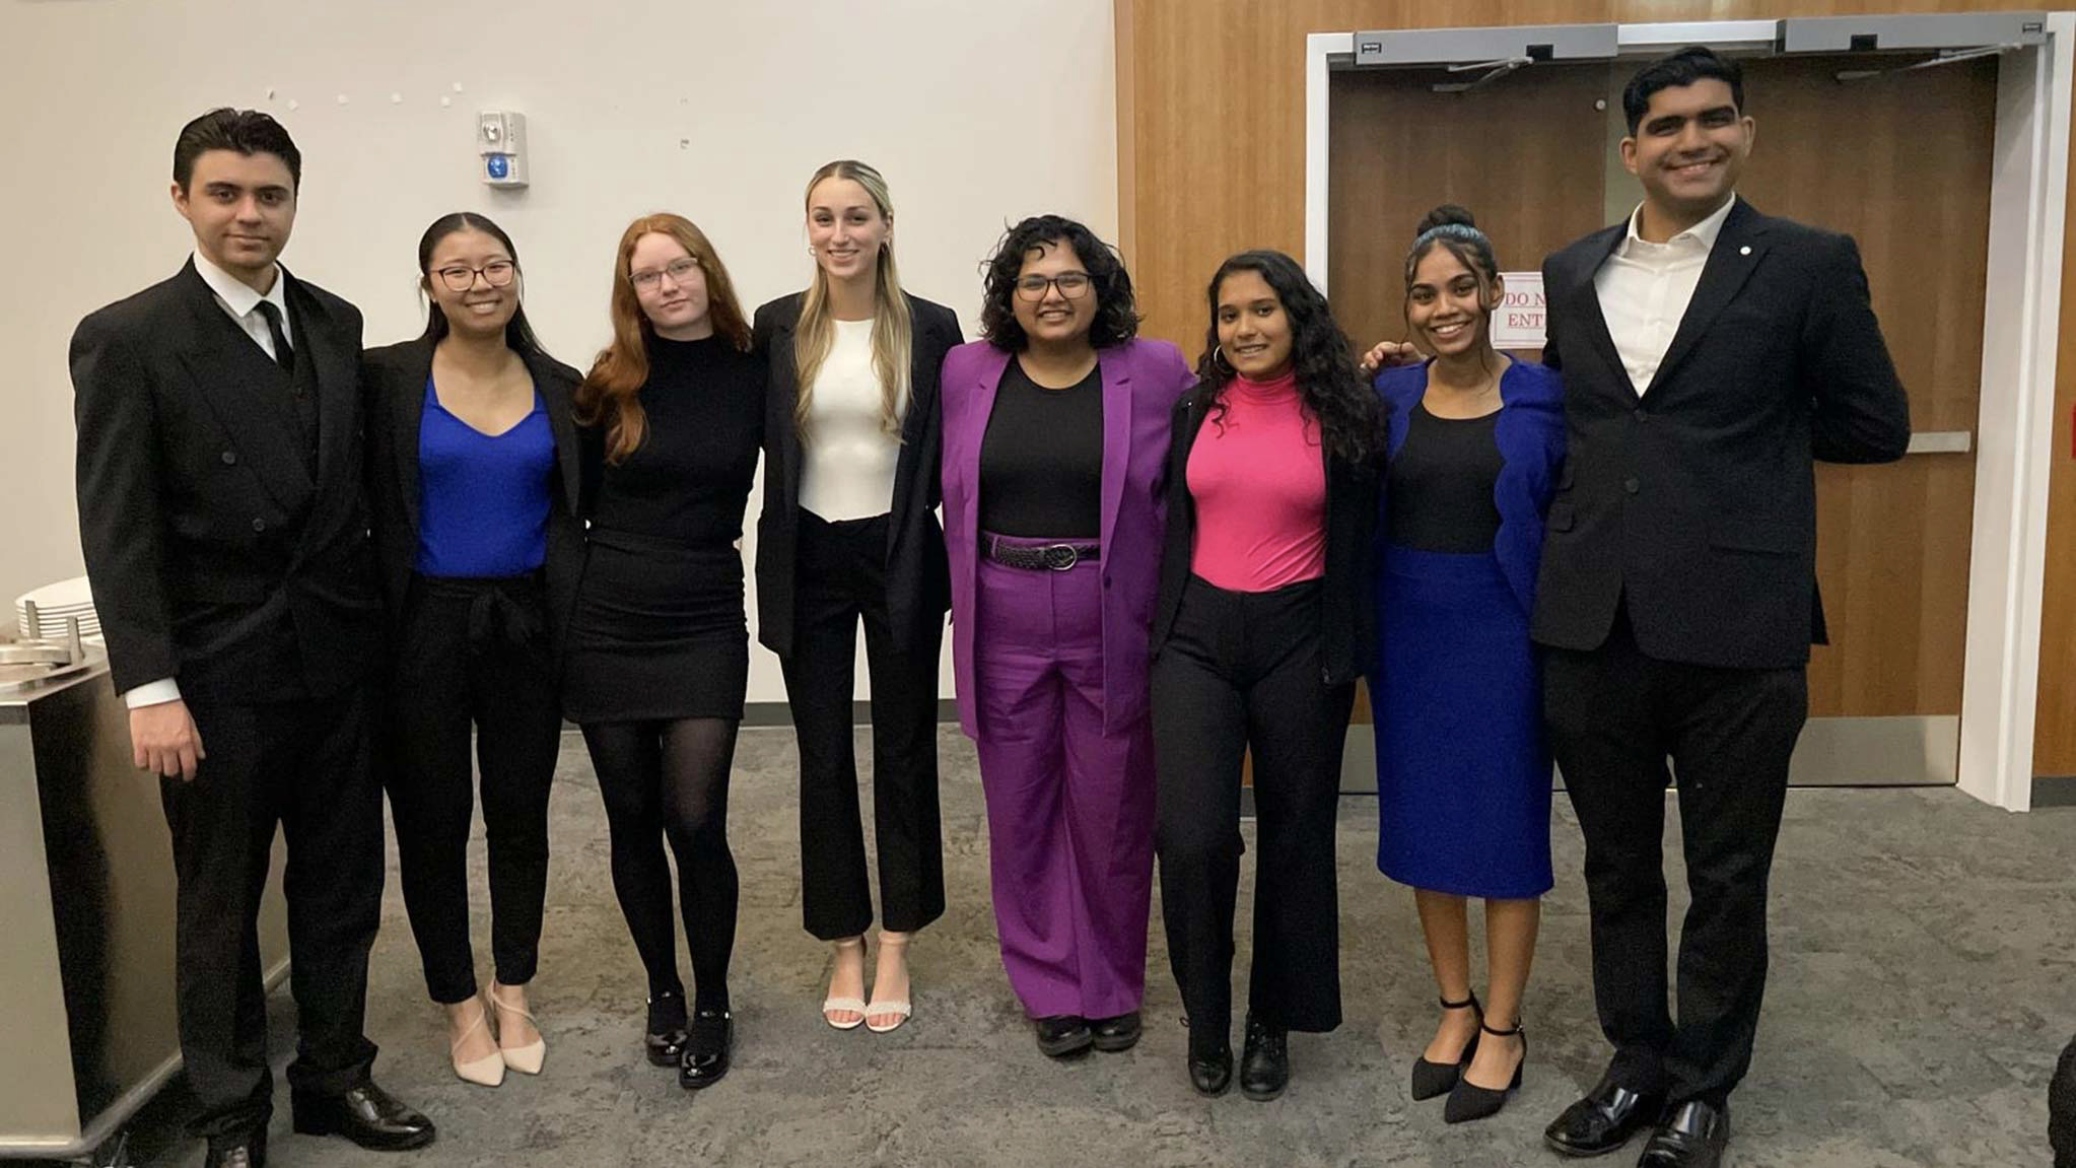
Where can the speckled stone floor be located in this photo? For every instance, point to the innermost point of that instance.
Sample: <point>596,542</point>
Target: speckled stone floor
<point>1924,947</point>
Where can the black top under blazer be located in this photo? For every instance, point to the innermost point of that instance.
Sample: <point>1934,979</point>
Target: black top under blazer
<point>395,377</point>
<point>222,550</point>
<point>1697,501</point>
<point>1348,618</point>
<point>918,578</point>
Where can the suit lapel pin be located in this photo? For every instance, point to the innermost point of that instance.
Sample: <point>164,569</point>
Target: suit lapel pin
<point>1745,250</point>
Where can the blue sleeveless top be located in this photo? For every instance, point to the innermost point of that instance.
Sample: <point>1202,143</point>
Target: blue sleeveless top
<point>483,499</point>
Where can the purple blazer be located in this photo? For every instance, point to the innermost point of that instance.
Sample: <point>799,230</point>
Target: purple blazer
<point>1141,381</point>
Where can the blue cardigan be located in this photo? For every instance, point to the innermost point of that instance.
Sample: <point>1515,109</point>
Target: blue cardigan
<point>1530,435</point>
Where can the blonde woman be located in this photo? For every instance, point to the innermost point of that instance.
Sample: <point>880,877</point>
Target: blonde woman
<point>848,535</point>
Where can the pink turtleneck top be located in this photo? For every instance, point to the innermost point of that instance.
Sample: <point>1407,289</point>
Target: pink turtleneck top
<point>1258,478</point>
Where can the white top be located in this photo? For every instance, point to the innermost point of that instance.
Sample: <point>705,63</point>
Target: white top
<point>241,303</point>
<point>1645,288</point>
<point>847,466</point>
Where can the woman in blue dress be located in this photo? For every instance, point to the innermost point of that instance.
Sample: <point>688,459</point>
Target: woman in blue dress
<point>1475,445</point>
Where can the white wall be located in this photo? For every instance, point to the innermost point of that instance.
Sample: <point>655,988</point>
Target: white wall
<point>977,113</point>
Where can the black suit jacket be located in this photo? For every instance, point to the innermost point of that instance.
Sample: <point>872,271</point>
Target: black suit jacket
<point>918,578</point>
<point>219,554</point>
<point>395,377</point>
<point>1697,501</point>
<point>1348,617</point>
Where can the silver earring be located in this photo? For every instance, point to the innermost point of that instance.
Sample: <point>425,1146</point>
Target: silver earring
<point>1218,359</point>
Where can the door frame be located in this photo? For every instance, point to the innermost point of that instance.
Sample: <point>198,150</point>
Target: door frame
<point>2015,426</point>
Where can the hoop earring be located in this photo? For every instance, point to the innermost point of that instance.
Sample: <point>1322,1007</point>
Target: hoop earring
<point>1218,360</point>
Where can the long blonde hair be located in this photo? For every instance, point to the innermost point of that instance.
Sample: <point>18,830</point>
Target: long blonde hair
<point>816,331</point>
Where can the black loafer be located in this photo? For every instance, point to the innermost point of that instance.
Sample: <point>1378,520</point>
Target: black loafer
<point>664,1043</point>
<point>1062,1035</point>
<point>1693,1136</point>
<point>1116,1034</point>
<point>1608,1117</point>
<point>367,1115</point>
<point>1265,1063</point>
<point>246,1151</point>
<point>706,1049</point>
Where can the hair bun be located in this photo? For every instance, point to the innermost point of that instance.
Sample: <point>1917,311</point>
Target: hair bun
<point>1443,216</point>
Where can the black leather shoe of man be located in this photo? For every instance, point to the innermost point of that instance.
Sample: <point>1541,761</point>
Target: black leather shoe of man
<point>1265,1063</point>
<point>1608,1117</point>
<point>1693,1136</point>
<point>1062,1035</point>
<point>706,1049</point>
<point>1210,1059</point>
<point>246,1151</point>
<point>367,1115</point>
<point>1116,1034</point>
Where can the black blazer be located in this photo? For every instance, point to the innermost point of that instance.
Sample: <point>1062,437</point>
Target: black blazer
<point>395,385</point>
<point>1697,501</point>
<point>220,555</point>
<point>918,578</point>
<point>1348,619</point>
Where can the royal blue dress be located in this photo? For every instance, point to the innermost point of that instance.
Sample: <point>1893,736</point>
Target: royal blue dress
<point>1463,770</point>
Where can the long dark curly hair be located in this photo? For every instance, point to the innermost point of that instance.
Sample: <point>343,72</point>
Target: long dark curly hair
<point>1329,385</point>
<point>1117,317</point>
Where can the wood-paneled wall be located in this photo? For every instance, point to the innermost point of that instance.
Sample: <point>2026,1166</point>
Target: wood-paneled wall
<point>1212,153</point>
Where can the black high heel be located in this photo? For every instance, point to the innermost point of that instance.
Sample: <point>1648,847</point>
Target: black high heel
<point>1432,1079</point>
<point>1468,1101</point>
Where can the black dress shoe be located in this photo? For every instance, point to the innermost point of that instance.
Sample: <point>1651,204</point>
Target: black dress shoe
<point>246,1151</point>
<point>706,1049</point>
<point>664,1043</point>
<point>1468,1101</point>
<point>1693,1136</point>
<point>367,1115</point>
<point>1210,1058</point>
<point>1265,1063</point>
<point>1432,1079</point>
<point>1116,1034</point>
<point>1603,1121</point>
<point>1062,1035</point>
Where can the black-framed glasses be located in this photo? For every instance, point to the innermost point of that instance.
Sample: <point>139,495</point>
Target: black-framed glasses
<point>461,277</point>
<point>679,271</point>
<point>1072,285</point>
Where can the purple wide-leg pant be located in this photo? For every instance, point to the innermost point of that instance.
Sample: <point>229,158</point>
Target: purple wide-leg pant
<point>1070,806</point>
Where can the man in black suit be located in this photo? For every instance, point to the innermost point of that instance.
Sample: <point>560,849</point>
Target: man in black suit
<point>1709,354</point>
<point>225,532</point>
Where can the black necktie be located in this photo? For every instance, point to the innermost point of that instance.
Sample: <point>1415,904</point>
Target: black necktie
<point>283,355</point>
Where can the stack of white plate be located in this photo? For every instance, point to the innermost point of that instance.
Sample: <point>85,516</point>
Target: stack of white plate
<point>56,603</point>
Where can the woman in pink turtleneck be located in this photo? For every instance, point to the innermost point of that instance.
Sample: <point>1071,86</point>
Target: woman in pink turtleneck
<point>1262,625</point>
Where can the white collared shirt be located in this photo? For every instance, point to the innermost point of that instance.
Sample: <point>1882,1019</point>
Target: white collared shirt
<point>237,298</point>
<point>1645,288</point>
<point>241,303</point>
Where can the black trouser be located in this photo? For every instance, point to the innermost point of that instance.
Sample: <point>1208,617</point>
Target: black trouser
<point>1243,670</point>
<point>1615,715</point>
<point>473,655</point>
<point>672,776</point>
<point>2061,1108</point>
<point>842,579</point>
<point>304,765</point>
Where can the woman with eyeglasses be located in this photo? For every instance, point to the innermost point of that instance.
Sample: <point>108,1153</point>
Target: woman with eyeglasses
<point>672,414</point>
<point>473,482</point>
<point>1263,624</point>
<point>849,536</point>
<point>1055,435</point>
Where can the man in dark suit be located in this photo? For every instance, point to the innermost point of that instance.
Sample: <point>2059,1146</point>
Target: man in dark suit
<point>225,532</point>
<point>1709,354</point>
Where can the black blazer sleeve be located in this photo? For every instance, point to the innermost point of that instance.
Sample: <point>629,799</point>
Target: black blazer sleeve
<point>1859,410</point>
<point>1550,280</point>
<point>121,520</point>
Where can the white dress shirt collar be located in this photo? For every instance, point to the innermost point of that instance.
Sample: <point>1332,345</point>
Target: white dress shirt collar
<point>1701,236</point>
<point>237,296</point>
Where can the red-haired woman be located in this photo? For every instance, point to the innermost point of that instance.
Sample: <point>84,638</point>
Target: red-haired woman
<point>659,645</point>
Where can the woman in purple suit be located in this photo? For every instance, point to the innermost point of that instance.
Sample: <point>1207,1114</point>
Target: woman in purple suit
<point>1055,436</point>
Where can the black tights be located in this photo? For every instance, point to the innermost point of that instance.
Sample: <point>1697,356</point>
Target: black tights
<point>673,776</point>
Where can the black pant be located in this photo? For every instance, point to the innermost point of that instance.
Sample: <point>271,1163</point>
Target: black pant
<point>671,777</point>
<point>1615,716</point>
<point>842,578</point>
<point>473,655</point>
<point>304,765</point>
<point>1243,670</point>
<point>2061,1108</point>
